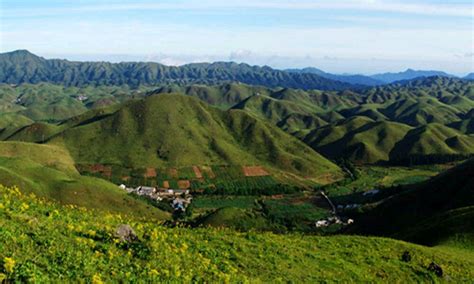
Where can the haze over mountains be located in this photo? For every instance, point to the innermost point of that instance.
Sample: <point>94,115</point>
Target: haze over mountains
<point>377,79</point>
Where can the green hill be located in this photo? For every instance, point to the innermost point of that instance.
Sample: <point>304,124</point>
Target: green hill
<point>434,105</point>
<point>223,96</point>
<point>45,102</point>
<point>432,139</point>
<point>48,172</point>
<point>371,142</point>
<point>465,126</point>
<point>47,242</point>
<point>48,155</point>
<point>11,122</point>
<point>174,130</point>
<point>436,212</point>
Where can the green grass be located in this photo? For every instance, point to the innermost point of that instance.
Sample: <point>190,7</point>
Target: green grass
<point>49,172</point>
<point>43,242</point>
<point>48,155</point>
<point>294,214</point>
<point>177,131</point>
<point>378,177</point>
<point>206,202</point>
<point>53,103</point>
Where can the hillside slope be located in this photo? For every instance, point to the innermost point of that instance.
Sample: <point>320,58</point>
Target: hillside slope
<point>174,130</point>
<point>433,212</point>
<point>46,242</point>
<point>48,172</point>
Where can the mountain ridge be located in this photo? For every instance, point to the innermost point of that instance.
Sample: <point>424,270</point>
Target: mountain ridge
<point>24,67</point>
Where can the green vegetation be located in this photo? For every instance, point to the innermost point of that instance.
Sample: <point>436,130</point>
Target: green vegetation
<point>80,245</point>
<point>430,118</point>
<point>294,214</point>
<point>53,103</point>
<point>22,66</point>
<point>433,212</point>
<point>207,202</point>
<point>379,177</point>
<point>48,172</point>
<point>277,213</point>
<point>177,131</point>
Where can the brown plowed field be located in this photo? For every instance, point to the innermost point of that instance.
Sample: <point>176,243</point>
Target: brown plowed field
<point>254,171</point>
<point>197,172</point>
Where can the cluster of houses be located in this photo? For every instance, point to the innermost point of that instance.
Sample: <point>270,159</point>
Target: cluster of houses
<point>332,220</point>
<point>178,198</point>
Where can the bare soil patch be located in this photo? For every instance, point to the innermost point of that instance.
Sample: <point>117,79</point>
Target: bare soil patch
<point>173,172</point>
<point>197,172</point>
<point>208,171</point>
<point>184,184</point>
<point>150,173</point>
<point>254,171</point>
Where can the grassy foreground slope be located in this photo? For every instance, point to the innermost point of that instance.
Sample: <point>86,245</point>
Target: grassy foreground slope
<point>41,241</point>
<point>49,172</point>
<point>174,130</point>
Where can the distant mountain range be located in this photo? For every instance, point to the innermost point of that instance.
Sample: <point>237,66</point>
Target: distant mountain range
<point>469,76</point>
<point>408,74</point>
<point>22,66</point>
<point>378,79</point>
<point>352,79</point>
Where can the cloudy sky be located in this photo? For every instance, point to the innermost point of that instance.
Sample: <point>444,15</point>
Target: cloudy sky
<point>348,36</point>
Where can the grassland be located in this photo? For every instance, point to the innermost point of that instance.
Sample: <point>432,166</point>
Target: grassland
<point>179,131</point>
<point>41,241</point>
<point>49,172</point>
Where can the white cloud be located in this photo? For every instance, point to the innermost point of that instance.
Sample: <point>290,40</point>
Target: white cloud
<point>459,10</point>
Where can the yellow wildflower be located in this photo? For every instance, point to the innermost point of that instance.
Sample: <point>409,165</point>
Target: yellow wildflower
<point>9,264</point>
<point>91,233</point>
<point>96,279</point>
<point>24,206</point>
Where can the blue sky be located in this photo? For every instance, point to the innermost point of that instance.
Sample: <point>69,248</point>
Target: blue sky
<point>349,36</point>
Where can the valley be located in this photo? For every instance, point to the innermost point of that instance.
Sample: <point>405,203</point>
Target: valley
<point>214,165</point>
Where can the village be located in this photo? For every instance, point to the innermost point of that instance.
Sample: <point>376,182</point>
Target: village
<point>179,199</point>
